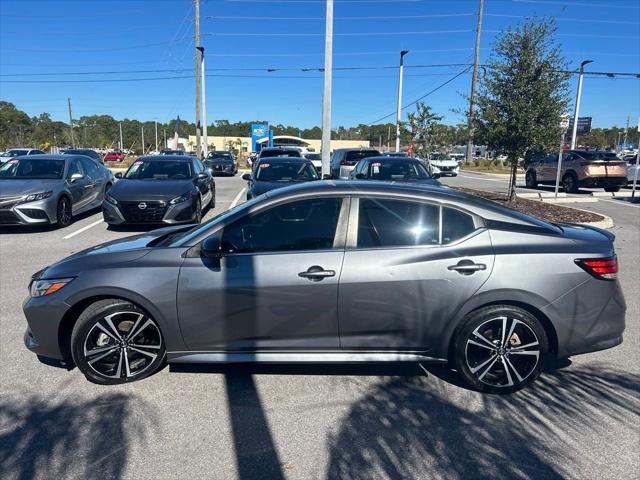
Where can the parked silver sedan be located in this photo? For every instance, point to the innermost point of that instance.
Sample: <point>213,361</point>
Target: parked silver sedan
<point>50,189</point>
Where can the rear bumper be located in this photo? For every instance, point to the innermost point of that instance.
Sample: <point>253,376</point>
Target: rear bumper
<point>602,182</point>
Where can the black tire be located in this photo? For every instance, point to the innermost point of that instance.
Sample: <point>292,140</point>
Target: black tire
<point>118,360</point>
<point>530,179</point>
<point>488,361</point>
<point>612,189</point>
<point>64,213</point>
<point>570,183</point>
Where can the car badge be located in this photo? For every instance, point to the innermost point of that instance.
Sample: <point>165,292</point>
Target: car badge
<point>142,205</point>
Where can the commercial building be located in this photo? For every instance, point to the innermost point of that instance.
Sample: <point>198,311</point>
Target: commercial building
<point>243,144</point>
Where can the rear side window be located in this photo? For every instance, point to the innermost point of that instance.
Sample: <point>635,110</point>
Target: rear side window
<point>395,223</point>
<point>455,225</point>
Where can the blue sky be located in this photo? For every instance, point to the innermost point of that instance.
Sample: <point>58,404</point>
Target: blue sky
<point>128,35</point>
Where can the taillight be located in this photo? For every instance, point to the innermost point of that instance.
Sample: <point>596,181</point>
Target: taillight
<point>602,268</point>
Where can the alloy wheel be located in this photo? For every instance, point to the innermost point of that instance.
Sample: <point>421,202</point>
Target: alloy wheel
<point>64,212</point>
<point>122,345</point>
<point>198,215</point>
<point>502,352</point>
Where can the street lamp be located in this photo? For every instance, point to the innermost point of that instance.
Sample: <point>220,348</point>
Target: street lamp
<point>576,111</point>
<point>205,140</point>
<point>399,112</point>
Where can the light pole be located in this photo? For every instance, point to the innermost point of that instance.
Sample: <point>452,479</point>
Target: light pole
<point>325,149</point>
<point>156,125</point>
<point>205,142</point>
<point>576,111</point>
<point>399,112</point>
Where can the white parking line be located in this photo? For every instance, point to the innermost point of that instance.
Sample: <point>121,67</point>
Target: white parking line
<point>238,197</point>
<point>619,202</point>
<point>83,229</point>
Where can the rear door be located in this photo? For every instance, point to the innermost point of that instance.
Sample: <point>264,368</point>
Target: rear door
<point>408,267</point>
<point>276,286</point>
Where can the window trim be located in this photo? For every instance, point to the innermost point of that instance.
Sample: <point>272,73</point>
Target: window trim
<point>354,218</point>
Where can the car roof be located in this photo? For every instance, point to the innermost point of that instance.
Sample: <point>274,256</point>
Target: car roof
<point>163,158</point>
<point>356,149</point>
<point>280,148</point>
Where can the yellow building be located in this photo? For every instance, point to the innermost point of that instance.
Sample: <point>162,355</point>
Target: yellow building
<point>243,144</point>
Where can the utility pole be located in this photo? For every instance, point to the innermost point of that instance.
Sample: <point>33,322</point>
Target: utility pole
<point>326,96</point>
<point>73,141</point>
<point>142,129</point>
<point>399,110</point>
<point>121,144</point>
<point>156,122</point>
<point>205,142</point>
<point>474,80</point>
<point>388,137</point>
<point>165,137</point>
<point>576,111</point>
<point>626,130</point>
<point>196,34</point>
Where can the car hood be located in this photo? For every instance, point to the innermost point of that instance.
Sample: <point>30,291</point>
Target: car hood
<point>139,190</point>
<point>107,254</point>
<point>11,188</point>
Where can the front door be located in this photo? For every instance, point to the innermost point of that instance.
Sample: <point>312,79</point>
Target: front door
<point>275,288</point>
<point>80,188</point>
<point>404,277</point>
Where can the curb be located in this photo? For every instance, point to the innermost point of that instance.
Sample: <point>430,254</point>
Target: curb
<point>606,223</point>
<point>570,200</point>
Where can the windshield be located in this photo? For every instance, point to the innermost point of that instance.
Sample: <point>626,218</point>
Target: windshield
<point>279,153</point>
<point>159,170</point>
<point>313,156</point>
<point>220,156</point>
<point>31,168</point>
<point>286,172</point>
<point>360,154</point>
<point>391,170</point>
<point>598,156</point>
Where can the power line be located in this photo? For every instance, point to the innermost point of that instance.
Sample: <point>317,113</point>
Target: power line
<point>425,95</point>
<point>565,19</point>
<point>586,35</point>
<point>572,4</point>
<point>92,50</point>
<point>382,17</point>
<point>313,34</point>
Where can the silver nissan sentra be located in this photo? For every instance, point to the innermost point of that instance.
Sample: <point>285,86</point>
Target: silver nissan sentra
<point>336,272</point>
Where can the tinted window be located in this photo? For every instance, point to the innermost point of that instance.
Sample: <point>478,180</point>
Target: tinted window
<point>455,225</point>
<point>90,167</point>
<point>30,168</point>
<point>302,225</point>
<point>356,155</point>
<point>396,169</point>
<point>74,167</point>
<point>550,158</point>
<point>391,223</point>
<point>159,170</point>
<point>285,172</point>
<point>197,165</point>
<point>279,153</point>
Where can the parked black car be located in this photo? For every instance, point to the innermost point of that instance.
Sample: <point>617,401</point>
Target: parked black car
<point>87,152</point>
<point>160,189</point>
<point>221,163</point>
<point>393,169</point>
<point>278,172</point>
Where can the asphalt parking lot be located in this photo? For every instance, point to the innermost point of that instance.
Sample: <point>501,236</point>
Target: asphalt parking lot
<point>580,420</point>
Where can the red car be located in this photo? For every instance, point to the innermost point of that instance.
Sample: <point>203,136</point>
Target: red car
<point>114,157</point>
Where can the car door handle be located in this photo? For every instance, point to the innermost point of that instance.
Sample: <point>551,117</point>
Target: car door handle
<point>467,267</point>
<point>317,273</point>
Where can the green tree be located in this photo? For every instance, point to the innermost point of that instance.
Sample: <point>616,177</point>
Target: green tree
<point>423,126</point>
<point>523,94</point>
<point>15,126</point>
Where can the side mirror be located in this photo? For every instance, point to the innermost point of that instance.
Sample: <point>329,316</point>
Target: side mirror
<point>326,176</point>
<point>203,176</point>
<point>436,175</point>
<point>360,176</point>
<point>118,175</point>
<point>246,176</point>
<point>211,247</point>
<point>75,177</point>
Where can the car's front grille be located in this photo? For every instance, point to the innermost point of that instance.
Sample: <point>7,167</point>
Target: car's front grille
<point>9,202</point>
<point>8,217</point>
<point>143,211</point>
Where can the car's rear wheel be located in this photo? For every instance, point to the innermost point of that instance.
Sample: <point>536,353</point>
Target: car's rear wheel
<point>500,349</point>
<point>570,183</point>
<point>63,212</point>
<point>197,214</point>
<point>530,179</point>
<point>115,342</point>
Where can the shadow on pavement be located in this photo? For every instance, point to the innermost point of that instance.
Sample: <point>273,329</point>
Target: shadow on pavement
<point>44,438</point>
<point>410,428</point>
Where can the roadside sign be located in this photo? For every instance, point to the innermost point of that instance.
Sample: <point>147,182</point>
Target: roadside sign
<point>564,122</point>
<point>584,125</point>
<point>258,132</point>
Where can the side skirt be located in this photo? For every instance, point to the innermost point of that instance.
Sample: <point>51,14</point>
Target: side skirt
<point>299,357</point>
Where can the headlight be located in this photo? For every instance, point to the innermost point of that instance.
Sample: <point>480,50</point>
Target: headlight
<point>38,196</point>
<point>181,198</point>
<point>110,199</point>
<point>40,288</point>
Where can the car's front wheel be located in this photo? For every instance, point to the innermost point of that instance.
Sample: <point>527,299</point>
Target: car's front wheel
<point>197,214</point>
<point>500,349</point>
<point>530,179</point>
<point>63,212</point>
<point>115,342</point>
<point>570,183</point>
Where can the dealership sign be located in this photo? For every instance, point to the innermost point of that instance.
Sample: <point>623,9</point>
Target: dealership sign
<point>584,125</point>
<point>258,132</point>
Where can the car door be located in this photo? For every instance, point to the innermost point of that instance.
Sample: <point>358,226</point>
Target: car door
<point>80,187</point>
<point>203,183</point>
<point>404,276</point>
<point>96,182</point>
<point>276,287</point>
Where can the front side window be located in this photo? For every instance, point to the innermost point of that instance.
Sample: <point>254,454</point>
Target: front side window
<point>395,223</point>
<point>295,226</point>
<point>74,167</point>
<point>90,167</point>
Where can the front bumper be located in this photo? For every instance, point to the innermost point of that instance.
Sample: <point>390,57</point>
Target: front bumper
<point>44,317</point>
<point>448,170</point>
<point>41,212</point>
<point>128,213</point>
<point>222,168</point>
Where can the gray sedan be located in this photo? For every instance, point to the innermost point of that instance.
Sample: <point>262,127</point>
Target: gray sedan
<point>336,272</point>
<point>46,189</point>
